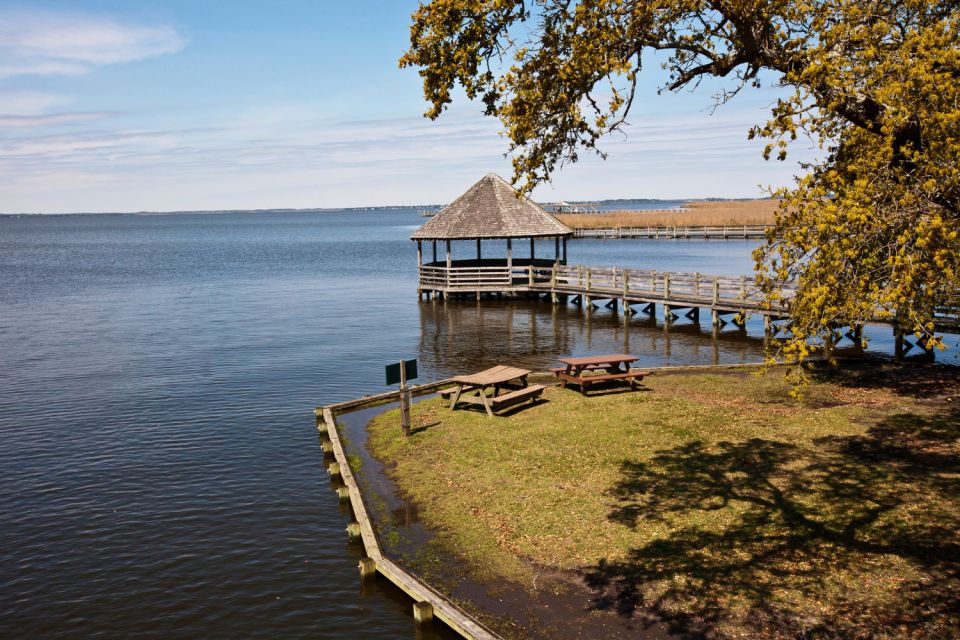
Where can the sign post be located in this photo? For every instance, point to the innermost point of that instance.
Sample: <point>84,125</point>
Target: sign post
<point>401,372</point>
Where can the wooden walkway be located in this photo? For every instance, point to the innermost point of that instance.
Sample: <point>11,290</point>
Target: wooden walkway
<point>730,232</point>
<point>677,292</point>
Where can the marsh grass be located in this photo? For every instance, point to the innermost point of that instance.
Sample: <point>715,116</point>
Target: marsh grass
<point>729,213</point>
<point>713,502</point>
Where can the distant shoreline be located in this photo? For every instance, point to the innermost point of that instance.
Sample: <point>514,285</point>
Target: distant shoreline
<point>620,201</point>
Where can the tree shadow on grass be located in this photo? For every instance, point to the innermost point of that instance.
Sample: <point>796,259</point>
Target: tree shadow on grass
<point>913,381</point>
<point>854,537</point>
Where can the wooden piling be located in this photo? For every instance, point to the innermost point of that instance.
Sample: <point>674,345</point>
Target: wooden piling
<point>334,469</point>
<point>343,493</point>
<point>422,612</point>
<point>368,568</point>
<point>354,534</point>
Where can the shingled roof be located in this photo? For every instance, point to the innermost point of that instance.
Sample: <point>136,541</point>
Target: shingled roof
<point>491,209</point>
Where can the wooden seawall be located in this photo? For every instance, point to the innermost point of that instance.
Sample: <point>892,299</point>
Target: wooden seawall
<point>427,602</point>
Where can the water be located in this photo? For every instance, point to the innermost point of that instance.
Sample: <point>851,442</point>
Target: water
<point>158,373</point>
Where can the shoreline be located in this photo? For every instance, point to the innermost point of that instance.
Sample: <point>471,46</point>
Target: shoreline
<point>569,590</point>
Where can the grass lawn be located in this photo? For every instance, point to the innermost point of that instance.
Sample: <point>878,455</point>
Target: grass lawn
<point>712,502</point>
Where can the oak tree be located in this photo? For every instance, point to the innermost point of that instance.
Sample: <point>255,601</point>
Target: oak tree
<point>869,231</point>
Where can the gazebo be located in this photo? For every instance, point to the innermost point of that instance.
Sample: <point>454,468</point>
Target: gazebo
<point>489,210</point>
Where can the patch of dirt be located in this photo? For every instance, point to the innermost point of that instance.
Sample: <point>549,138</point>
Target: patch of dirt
<point>557,606</point>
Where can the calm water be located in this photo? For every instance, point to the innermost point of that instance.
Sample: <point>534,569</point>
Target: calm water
<point>158,375</point>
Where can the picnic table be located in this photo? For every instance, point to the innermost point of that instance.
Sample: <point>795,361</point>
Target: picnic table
<point>513,379</point>
<point>582,371</point>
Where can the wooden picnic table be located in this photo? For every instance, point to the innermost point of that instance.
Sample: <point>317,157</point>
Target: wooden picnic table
<point>497,378</point>
<point>580,371</point>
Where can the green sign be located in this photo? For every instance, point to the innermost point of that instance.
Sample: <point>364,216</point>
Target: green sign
<point>393,371</point>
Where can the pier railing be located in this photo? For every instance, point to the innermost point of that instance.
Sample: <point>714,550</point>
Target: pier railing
<point>652,284</point>
<point>598,282</point>
<point>740,231</point>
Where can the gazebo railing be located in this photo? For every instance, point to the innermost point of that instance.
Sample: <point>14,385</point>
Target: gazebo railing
<point>465,277</point>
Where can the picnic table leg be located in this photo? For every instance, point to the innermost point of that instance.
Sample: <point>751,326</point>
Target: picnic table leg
<point>583,383</point>
<point>456,396</point>
<point>486,402</point>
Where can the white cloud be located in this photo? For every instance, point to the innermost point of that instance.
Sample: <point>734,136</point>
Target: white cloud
<point>42,68</point>
<point>48,43</point>
<point>277,156</point>
<point>29,103</point>
<point>53,119</point>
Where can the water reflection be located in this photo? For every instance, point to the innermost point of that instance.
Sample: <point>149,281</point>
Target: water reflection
<point>464,336</point>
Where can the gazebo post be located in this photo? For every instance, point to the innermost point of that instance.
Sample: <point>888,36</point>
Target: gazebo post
<point>532,250</point>
<point>419,268</point>
<point>564,250</point>
<point>556,248</point>
<point>478,252</point>
<point>434,252</point>
<point>449,261</point>
<point>509,254</point>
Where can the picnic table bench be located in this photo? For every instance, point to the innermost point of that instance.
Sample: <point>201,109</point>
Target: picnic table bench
<point>580,371</point>
<point>495,378</point>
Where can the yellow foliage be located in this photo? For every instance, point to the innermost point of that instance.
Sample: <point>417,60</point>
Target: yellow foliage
<point>875,84</point>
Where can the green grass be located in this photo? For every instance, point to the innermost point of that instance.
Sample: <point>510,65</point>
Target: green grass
<point>710,501</point>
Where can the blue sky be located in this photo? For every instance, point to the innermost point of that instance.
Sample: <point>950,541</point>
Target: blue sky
<point>131,106</point>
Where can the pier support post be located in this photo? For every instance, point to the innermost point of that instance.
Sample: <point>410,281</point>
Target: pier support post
<point>334,469</point>
<point>321,423</point>
<point>353,532</point>
<point>667,315</point>
<point>343,493</point>
<point>368,568</point>
<point>422,612</point>
<point>715,317</point>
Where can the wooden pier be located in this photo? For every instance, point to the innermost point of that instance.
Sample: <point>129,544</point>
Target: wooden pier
<point>726,298</point>
<point>729,232</point>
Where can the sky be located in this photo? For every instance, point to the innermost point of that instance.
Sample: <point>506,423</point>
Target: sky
<point>109,106</point>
